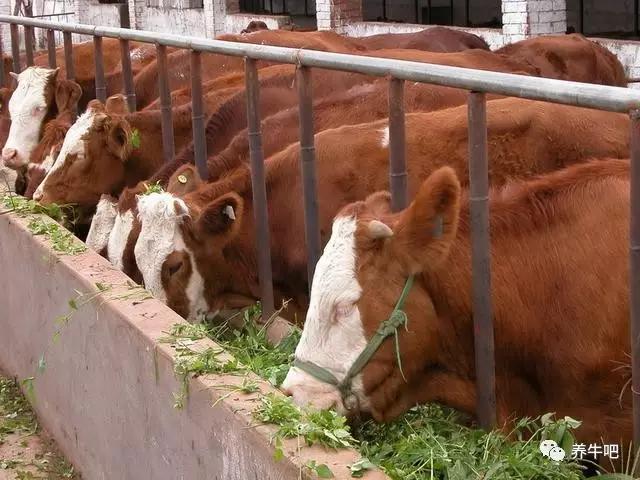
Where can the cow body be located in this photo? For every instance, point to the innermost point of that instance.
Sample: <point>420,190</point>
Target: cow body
<point>434,39</point>
<point>559,256</point>
<point>525,138</point>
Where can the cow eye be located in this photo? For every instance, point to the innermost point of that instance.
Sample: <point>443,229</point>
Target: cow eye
<point>173,268</point>
<point>38,110</point>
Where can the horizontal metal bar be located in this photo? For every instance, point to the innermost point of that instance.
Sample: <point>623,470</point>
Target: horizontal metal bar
<point>601,97</point>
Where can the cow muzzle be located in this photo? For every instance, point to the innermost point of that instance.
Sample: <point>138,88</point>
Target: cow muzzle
<point>12,159</point>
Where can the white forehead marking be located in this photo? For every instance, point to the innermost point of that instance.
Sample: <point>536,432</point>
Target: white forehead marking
<point>122,224</point>
<point>160,235</point>
<point>73,145</point>
<point>330,342</point>
<point>101,224</point>
<point>384,140</point>
<point>26,122</point>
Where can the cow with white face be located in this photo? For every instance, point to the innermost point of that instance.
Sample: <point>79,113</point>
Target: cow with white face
<point>38,97</point>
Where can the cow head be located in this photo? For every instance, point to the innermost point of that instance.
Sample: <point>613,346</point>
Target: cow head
<point>92,159</point>
<point>180,239</point>
<point>102,224</point>
<point>358,281</point>
<point>38,97</point>
<point>255,26</point>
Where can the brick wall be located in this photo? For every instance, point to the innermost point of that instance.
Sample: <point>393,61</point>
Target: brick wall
<point>337,14</point>
<point>525,18</point>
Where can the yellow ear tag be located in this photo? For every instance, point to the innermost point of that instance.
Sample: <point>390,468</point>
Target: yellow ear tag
<point>182,179</point>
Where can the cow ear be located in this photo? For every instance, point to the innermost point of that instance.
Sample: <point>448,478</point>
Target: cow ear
<point>119,138</point>
<point>184,180</point>
<point>53,76</point>
<point>117,104</point>
<point>426,229</point>
<point>222,217</point>
<point>68,94</point>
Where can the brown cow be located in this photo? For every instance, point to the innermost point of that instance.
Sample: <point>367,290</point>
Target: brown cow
<point>434,39</point>
<point>569,57</point>
<point>212,246</point>
<point>106,150</point>
<point>214,65</point>
<point>559,291</point>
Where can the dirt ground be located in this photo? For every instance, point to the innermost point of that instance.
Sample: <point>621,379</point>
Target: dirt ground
<point>27,452</point>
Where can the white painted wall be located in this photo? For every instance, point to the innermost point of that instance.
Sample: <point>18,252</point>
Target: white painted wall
<point>190,21</point>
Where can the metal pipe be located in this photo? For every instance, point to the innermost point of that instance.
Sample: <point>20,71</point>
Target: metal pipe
<point>601,97</point>
<point>15,48</point>
<point>197,116</point>
<point>467,14</point>
<point>101,87</point>
<point>308,168</point>
<point>51,48</point>
<point>634,275</point>
<point>384,10</point>
<point>68,56</point>
<point>2,72</point>
<point>260,211</point>
<point>397,147</point>
<point>581,16</point>
<point>127,75</point>
<point>168,147</point>
<point>481,261</point>
<point>28,35</point>
<point>636,26</point>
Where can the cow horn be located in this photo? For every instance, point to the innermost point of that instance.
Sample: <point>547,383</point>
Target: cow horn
<point>228,211</point>
<point>377,229</point>
<point>14,75</point>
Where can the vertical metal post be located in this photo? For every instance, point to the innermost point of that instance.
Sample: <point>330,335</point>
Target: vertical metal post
<point>168,147</point>
<point>429,12</point>
<point>581,16</point>
<point>15,47</point>
<point>636,26</point>
<point>416,9</point>
<point>68,56</point>
<point>397,148</point>
<point>2,72</point>
<point>481,261</point>
<point>467,15</point>
<point>123,10</point>
<point>261,213</point>
<point>28,35</point>
<point>384,9</point>
<point>634,275</point>
<point>101,87</point>
<point>308,167</point>
<point>197,116</point>
<point>51,48</point>
<point>127,75</point>
<point>450,12</point>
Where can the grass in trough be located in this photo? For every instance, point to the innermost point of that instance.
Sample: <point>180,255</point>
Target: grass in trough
<point>61,239</point>
<point>428,442</point>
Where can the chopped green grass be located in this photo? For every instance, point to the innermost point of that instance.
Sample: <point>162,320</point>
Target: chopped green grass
<point>16,417</point>
<point>428,442</point>
<point>61,239</point>
<point>153,188</point>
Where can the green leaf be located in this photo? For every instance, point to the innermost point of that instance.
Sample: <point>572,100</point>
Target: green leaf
<point>324,471</point>
<point>73,304</point>
<point>135,138</point>
<point>360,467</point>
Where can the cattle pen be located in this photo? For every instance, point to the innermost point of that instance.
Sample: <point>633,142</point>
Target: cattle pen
<point>478,83</point>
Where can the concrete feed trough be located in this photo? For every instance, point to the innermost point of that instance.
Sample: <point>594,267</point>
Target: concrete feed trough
<point>104,385</point>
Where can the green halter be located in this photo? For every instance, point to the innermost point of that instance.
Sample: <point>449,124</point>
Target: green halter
<point>386,328</point>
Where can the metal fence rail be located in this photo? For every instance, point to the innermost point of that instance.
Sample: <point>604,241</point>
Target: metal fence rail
<point>478,82</point>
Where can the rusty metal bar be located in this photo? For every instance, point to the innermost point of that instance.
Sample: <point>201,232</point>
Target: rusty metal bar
<point>101,87</point>
<point>197,116</point>
<point>2,72</point>
<point>397,147</point>
<point>51,48</point>
<point>28,36</point>
<point>481,261</point>
<point>68,56</point>
<point>168,147</point>
<point>308,167</point>
<point>634,275</point>
<point>261,213</point>
<point>127,75</point>
<point>15,48</point>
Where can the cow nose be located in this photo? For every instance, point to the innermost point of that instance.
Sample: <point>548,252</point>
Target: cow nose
<point>10,157</point>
